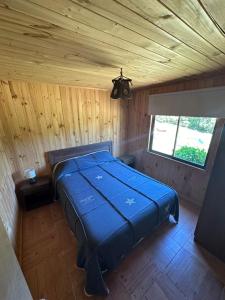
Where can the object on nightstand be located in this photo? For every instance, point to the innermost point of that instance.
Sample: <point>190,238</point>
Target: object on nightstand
<point>128,159</point>
<point>34,195</point>
<point>30,174</point>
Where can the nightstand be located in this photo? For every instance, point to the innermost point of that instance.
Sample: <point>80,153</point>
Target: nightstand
<point>36,194</point>
<point>128,159</point>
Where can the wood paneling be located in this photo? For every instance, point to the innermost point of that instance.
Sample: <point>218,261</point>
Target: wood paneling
<point>9,212</point>
<point>35,118</point>
<point>86,42</point>
<point>44,117</point>
<point>190,182</point>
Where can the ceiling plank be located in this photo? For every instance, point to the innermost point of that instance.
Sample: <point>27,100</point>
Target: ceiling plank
<point>112,56</point>
<point>43,13</point>
<point>121,14</point>
<point>34,71</point>
<point>215,9</point>
<point>41,50</point>
<point>192,12</point>
<point>161,16</point>
<point>86,17</point>
<point>138,23</point>
<point>85,43</point>
<point>88,30</point>
<point>19,69</point>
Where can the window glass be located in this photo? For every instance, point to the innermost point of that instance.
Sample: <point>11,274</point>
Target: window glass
<point>193,139</point>
<point>164,134</point>
<point>184,138</point>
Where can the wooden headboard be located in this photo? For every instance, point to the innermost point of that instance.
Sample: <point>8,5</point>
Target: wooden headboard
<point>55,156</point>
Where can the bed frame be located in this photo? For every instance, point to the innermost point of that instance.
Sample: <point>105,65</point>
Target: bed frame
<point>55,156</point>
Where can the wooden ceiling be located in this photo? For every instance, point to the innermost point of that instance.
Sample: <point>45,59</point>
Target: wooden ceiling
<point>85,42</point>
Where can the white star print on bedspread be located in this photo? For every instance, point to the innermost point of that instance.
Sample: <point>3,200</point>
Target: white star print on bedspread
<point>130,201</point>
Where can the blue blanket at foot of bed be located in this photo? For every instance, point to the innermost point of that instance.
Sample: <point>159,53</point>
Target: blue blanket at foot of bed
<point>110,207</point>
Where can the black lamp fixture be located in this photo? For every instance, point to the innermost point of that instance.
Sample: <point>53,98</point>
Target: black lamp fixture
<point>121,87</point>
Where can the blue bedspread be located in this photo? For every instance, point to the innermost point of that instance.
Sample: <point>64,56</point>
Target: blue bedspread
<point>110,207</point>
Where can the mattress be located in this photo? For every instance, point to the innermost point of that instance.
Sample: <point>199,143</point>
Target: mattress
<point>110,207</point>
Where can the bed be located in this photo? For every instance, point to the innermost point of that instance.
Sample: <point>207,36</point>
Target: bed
<point>109,206</point>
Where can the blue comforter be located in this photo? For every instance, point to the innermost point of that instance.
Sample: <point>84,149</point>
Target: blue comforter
<point>110,207</point>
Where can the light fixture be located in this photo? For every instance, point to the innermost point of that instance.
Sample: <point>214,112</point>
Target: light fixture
<point>121,87</point>
<point>30,174</point>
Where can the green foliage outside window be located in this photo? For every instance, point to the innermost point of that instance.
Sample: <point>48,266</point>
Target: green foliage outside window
<point>205,125</point>
<point>194,155</point>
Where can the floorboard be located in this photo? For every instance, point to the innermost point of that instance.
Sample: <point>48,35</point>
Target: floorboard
<point>168,265</point>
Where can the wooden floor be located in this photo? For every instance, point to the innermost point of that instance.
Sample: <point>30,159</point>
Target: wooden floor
<point>168,265</point>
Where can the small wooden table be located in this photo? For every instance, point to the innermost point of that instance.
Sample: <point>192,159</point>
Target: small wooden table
<point>128,159</point>
<point>34,195</point>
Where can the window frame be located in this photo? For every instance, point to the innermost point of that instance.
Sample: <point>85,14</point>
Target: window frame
<point>150,150</point>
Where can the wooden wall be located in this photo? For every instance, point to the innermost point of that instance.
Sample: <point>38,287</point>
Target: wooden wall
<point>37,117</point>
<point>190,182</point>
<point>9,212</point>
<point>43,117</point>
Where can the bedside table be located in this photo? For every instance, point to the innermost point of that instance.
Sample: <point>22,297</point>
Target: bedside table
<point>34,195</point>
<point>127,159</point>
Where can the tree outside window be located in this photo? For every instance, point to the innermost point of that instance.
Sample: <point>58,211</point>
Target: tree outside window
<point>182,138</point>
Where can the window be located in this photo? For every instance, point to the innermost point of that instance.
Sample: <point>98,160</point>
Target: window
<point>182,138</point>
